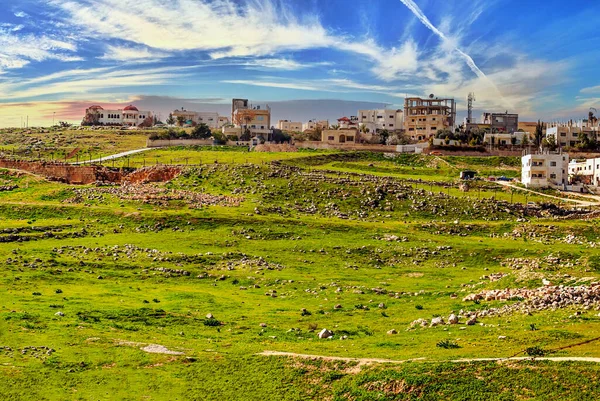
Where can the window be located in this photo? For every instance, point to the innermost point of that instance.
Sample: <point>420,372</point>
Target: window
<point>391,125</point>
<point>391,116</point>
<point>553,164</point>
<point>552,175</point>
<point>563,134</point>
<point>433,119</point>
<point>330,138</point>
<point>260,118</point>
<point>411,129</point>
<point>349,138</point>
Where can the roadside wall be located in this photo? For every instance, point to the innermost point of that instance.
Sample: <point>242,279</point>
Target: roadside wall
<point>345,146</point>
<point>161,143</point>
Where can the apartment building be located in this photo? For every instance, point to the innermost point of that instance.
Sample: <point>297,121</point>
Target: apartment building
<point>545,169</point>
<point>505,139</point>
<point>567,134</point>
<point>379,120</point>
<point>585,171</point>
<point>423,118</point>
<point>312,125</point>
<point>128,116</point>
<point>256,119</point>
<point>211,119</point>
<point>290,126</point>
<point>501,122</point>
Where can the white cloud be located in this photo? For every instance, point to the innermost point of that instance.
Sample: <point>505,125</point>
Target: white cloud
<point>18,50</point>
<point>132,54</point>
<point>280,64</point>
<point>283,85</point>
<point>21,14</point>
<point>591,89</point>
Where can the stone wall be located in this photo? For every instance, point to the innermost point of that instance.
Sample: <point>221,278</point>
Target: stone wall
<point>57,171</point>
<point>162,143</point>
<point>346,146</point>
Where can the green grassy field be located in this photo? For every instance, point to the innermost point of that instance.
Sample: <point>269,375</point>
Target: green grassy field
<point>276,248</point>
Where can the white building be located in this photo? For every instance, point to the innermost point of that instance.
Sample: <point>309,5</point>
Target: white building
<point>585,172</point>
<point>545,169</point>
<point>505,139</point>
<point>379,120</point>
<point>211,119</point>
<point>129,116</point>
<point>291,126</point>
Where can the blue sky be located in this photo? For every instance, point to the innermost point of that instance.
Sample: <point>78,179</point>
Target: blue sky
<point>58,56</point>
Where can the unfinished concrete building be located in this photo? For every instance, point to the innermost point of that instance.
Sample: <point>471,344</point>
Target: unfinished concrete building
<point>423,118</point>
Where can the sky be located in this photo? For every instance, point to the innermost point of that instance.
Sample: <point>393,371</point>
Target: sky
<point>305,58</point>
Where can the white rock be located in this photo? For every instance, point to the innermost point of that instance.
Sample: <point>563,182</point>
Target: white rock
<point>453,319</point>
<point>325,333</point>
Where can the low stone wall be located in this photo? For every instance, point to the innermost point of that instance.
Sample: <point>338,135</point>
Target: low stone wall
<point>163,143</point>
<point>346,146</point>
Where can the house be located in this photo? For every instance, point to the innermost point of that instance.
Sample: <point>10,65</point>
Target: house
<point>312,125</point>
<point>379,120</point>
<point>348,123</point>
<point>545,169</point>
<point>337,136</point>
<point>289,126</point>
<point>585,171</point>
<point>500,138</point>
<point>423,118</point>
<point>567,134</point>
<point>129,116</point>
<point>501,122</point>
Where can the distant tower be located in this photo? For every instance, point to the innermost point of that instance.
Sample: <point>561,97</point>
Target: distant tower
<point>470,100</point>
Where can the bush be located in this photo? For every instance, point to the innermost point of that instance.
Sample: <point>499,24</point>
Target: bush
<point>201,131</point>
<point>447,344</point>
<point>212,322</point>
<point>535,351</point>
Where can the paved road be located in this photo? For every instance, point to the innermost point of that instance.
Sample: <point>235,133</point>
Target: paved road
<point>115,156</point>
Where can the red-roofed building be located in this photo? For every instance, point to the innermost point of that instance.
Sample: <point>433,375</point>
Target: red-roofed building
<point>130,116</point>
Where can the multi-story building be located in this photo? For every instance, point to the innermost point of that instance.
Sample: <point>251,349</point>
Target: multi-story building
<point>585,172</point>
<point>129,116</point>
<point>290,126</point>
<point>312,125</point>
<point>501,122</point>
<point>545,169</point>
<point>379,120</point>
<point>238,104</point>
<point>567,134</point>
<point>256,119</point>
<point>423,118</point>
<point>211,119</point>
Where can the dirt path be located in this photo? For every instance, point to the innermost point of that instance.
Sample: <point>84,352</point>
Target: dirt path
<point>369,361</point>
<point>115,156</point>
<point>578,202</point>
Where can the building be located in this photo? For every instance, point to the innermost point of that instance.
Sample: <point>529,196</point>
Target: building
<point>501,122</point>
<point>527,126</point>
<point>585,172</point>
<point>545,169</point>
<point>223,121</point>
<point>505,139</point>
<point>312,125</point>
<point>211,119</point>
<point>567,134</point>
<point>423,118</point>
<point>128,116</point>
<point>337,136</point>
<point>256,119</point>
<point>238,104</point>
<point>348,123</point>
<point>289,126</point>
<point>379,120</point>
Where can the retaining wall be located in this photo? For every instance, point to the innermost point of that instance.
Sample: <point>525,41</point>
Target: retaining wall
<point>59,171</point>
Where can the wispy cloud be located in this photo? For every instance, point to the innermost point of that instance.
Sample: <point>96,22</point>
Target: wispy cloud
<point>268,84</point>
<point>132,54</point>
<point>18,50</point>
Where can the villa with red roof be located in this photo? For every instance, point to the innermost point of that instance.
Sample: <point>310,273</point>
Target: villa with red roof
<point>129,116</point>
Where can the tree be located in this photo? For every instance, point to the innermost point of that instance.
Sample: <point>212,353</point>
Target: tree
<point>549,142</point>
<point>525,140</point>
<point>180,120</point>
<point>584,140</point>
<point>513,140</point>
<point>242,118</point>
<point>201,131</point>
<point>539,133</point>
<point>170,120</point>
<point>383,136</point>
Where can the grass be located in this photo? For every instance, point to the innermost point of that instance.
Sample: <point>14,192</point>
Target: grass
<point>312,245</point>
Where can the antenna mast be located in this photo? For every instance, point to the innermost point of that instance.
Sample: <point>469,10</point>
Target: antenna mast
<point>470,100</point>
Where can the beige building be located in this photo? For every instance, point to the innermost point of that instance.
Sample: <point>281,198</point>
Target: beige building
<point>290,126</point>
<point>312,125</point>
<point>567,135</point>
<point>256,119</point>
<point>423,118</point>
<point>337,136</point>
<point>379,120</point>
<point>211,119</point>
